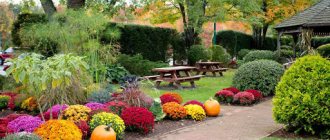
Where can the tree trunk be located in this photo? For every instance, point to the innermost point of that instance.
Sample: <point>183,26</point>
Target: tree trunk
<point>75,4</point>
<point>48,7</point>
<point>257,37</point>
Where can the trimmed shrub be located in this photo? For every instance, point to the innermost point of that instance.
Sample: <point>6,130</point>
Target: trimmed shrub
<point>259,54</point>
<point>59,129</point>
<point>256,93</point>
<point>137,65</point>
<point>157,110</point>
<point>197,53</point>
<point>76,113</point>
<point>244,98</point>
<point>103,118</point>
<point>224,96</point>
<point>242,53</point>
<point>324,50</point>
<point>195,102</point>
<point>302,96</point>
<point>262,75</point>
<point>4,99</point>
<point>24,123</point>
<point>195,112</point>
<point>174,110</point>
<point>138,119</point>
<point>219,54</point>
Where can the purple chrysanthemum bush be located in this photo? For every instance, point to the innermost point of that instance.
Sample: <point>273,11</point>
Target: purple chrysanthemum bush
<point>95,105</point>
<point>24,123</point>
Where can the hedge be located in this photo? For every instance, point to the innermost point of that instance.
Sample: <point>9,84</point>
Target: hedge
<point>151,42</point>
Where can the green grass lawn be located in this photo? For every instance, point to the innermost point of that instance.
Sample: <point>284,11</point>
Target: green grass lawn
<point>206,87</point>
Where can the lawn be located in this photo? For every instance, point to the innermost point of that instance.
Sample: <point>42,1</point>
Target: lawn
<point>206,87</point>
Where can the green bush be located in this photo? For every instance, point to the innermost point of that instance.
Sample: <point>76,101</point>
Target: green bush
<point>137,65</point>
<point>4,101</point>
<point>259,54</point>
<point>324,50</point>
<point>22,136</point>
<point>261,75</point>
<point>197,53</point>
<point>151,42</point>
<point>285,53</point>
<point>115,73</point>
<point>302,96</point>
<point>242,53</point>
<point>220,54</point>
<point>24,20</point>
<point>319,41</point>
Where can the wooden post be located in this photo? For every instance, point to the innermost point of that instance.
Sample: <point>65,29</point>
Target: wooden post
<point>295,41</point>
<point>279,43</point>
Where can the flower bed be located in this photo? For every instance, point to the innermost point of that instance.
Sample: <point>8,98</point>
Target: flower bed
<point>233,96</point>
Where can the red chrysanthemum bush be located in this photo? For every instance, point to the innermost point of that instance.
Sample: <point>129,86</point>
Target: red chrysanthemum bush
<point>116,106</point>
<point>4,122</point>
<point>174,110</point>
<point>139,119</point>
<point>256,93</point>
<point>244,98</point>
<point>177,96</point>
<point>224,96</point>
<point>195,102</point>
<point>11,102</point>
<point>83,126</point>
<point>168,98</point>
<point>232,89</point>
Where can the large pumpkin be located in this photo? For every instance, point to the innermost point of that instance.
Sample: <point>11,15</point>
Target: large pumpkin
<point>212,107</point>
<point>103,132</point>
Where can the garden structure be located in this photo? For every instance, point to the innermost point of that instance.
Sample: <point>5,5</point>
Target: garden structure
<point>212,67</point>
<point>314,21</point>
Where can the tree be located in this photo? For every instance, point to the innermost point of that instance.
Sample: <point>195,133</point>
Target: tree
<point>6,20</point>
<point>48,6</point>
<point>272,12</point>
<point>194,13</point>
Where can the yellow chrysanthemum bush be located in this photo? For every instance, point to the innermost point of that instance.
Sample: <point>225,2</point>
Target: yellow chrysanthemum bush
<point>59,130</point>
<point>104,118</point>
<point>195,112</point>
<point>29,104</point>
<point>76,113</point>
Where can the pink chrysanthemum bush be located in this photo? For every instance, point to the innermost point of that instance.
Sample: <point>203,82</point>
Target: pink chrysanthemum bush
<point>139,119</point>
<point>244,98</point>
<point>224,96</point>
<point>24,123</point>
<point>232,89</point>
<point>256,93</point>
<point>95,105</point>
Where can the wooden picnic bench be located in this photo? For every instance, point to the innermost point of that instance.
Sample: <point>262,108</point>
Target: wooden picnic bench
<point>174,77</point>
<point>213,67</point>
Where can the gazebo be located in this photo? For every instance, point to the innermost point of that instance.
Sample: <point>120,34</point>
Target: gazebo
<point>314,21</point>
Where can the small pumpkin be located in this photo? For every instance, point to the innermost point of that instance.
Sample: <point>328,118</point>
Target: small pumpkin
<point>103,132</point>
<point>212,107</point>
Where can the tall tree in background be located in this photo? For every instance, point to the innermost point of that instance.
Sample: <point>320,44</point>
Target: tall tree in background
<point>48,6</point>
<point>272,12</point>
<point>194,13</point>
<point>6,20</point>
<point>75,4</point>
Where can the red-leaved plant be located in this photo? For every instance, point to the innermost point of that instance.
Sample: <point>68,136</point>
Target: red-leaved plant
<point>224,96</point>
<point>83,126</point>
<point>244,98</point>
<point>116,106</point>
<point>195,102</point>
<point>138,119</point>
<point>232,89</point>
<point>166,98</point>
<point>256,93</point>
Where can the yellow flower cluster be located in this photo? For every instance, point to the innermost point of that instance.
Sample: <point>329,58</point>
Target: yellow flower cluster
<point>104,118</point>
<point>76,113</point>
<point>59,130</point>
<point>29,104</point>
<point>196,112</point>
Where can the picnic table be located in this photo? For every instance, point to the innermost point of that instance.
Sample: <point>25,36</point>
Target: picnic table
<point>174,77</point>
<point>213,67</point>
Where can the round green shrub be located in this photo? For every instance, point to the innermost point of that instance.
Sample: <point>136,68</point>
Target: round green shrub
<point>324,50</point>
<point>262,75</point>
<point>302,96</point>
<point>220,54</point>
<point>259,54</point>
<point>196,53</point>
<point>242,53</point>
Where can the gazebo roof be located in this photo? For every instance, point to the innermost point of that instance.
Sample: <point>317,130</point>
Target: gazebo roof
<point>316,16</point>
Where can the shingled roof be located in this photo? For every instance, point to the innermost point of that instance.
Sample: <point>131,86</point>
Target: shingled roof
<point>317,15</point>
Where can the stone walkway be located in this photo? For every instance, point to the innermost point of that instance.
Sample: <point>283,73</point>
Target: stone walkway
<point>236,123</point>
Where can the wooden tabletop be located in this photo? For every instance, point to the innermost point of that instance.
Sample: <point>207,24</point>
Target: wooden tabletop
<point>208,63</point>
<point>169,69</point>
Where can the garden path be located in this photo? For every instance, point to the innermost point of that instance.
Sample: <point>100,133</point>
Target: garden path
<point>236,123</point>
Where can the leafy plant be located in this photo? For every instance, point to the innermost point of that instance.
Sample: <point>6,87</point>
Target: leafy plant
<point>262,75</point>
<point>324,50</point>
<point>4,101</point>
<point>115,73</point>
<point>197,53</point>
<point>302,96</point>
<point>157,110</point>
<point>259,54</point>
<point>219,54</point>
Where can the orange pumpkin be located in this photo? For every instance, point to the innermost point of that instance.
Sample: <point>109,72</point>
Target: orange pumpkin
<point>103,132</point>
<point>212,107</point>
